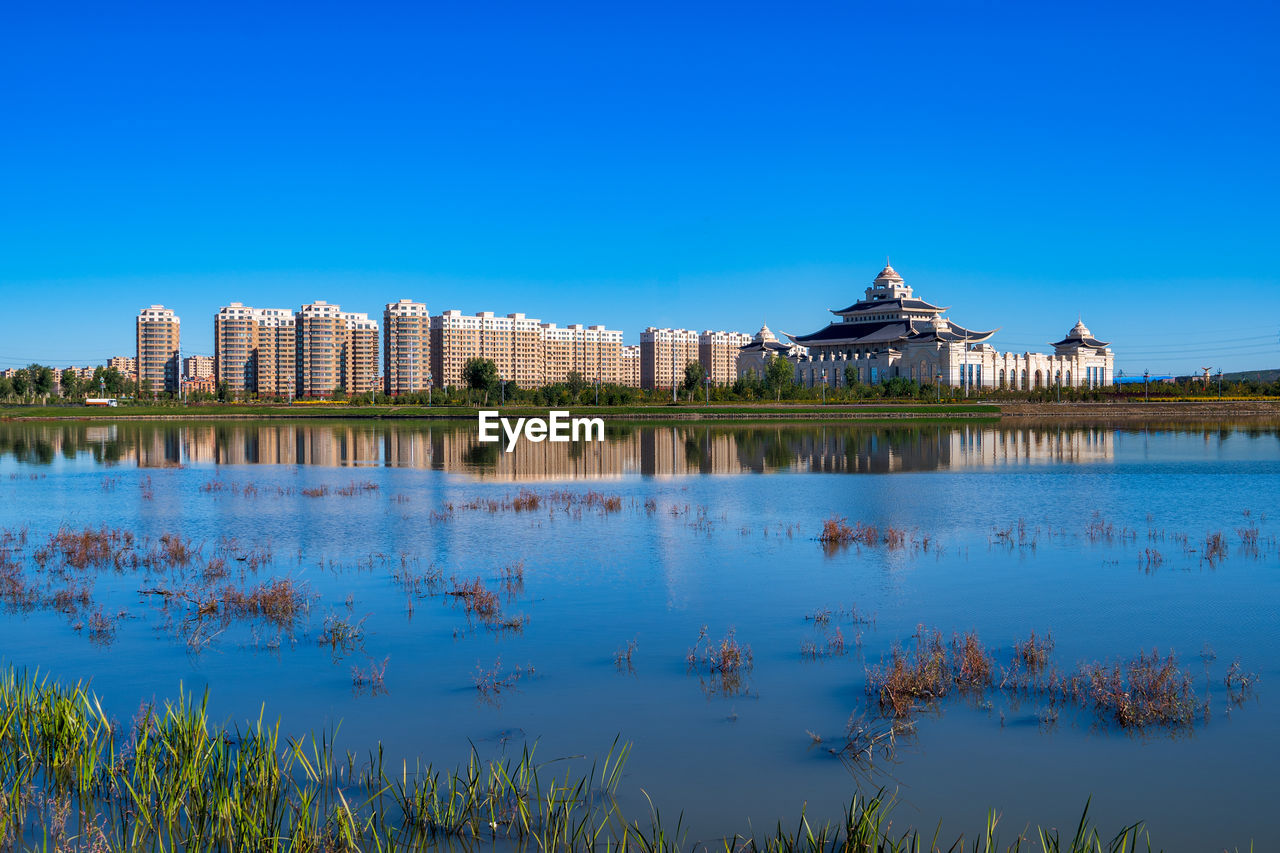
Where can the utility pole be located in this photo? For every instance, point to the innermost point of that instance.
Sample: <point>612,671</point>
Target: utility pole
<point>1146,385</point>
<point>1219,383</point>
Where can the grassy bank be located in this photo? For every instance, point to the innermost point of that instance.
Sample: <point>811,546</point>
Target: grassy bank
<point>688,411</point>
<point>74,779</point>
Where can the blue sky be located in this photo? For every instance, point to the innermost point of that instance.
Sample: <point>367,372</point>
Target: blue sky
<point>699,165</point>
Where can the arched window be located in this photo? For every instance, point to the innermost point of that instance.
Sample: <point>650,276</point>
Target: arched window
<point>1024,379</point>
<point>1068,378</point>
<point>1002,379</point>
<point>1039,380</point>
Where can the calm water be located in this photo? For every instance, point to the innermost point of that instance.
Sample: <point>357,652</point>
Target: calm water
<point>716,526</point>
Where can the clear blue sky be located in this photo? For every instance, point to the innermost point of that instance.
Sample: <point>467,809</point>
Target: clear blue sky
<point>683,164</point>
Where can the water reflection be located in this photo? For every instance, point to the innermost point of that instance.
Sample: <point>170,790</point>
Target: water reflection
<point>627,449</point>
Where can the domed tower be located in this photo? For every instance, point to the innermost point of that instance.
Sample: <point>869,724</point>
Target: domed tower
<point>887,285</point>
<point>1078,339</point>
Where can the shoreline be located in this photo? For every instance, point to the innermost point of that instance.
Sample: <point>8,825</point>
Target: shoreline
<point>1098,413</point>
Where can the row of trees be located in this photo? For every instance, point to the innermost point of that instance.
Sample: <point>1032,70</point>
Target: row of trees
<point>41,383</point>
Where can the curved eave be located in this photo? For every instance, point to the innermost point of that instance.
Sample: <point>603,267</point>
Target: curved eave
<point>868,339</point>
<point>953,337</point>
<point>864,305</point>
<point>1093,343</point>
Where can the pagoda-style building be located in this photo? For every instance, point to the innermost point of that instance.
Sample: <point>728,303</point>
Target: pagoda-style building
<point>764,345</point>
<point>890,333</point>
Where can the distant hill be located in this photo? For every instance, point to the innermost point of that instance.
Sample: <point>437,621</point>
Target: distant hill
<point>1256,375</point>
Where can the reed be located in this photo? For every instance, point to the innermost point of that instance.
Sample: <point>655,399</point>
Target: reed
<point>1142,692</point>
<point>174,780</point>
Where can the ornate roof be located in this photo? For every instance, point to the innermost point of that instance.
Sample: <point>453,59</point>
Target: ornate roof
<point>882,304</point>
<point>889,294</point>
<point>888,274</point>
<point>892,332</point>
<point>1080,336</point>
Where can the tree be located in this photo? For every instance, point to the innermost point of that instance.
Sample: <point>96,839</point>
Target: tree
<point>480,374</point>
<point>70,382</point>
<point>779,374</point>
<point>577,384</point>
<point>693,376</point>
<point>6,387</point>
<point>21,382</point>
<point>900,386</point>
<point>224,391</point>
<point>41,378</point>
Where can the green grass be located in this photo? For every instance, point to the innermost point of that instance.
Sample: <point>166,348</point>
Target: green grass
<point>72,778</point>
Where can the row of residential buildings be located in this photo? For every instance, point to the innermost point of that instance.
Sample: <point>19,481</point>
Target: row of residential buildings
<point>319,349</point>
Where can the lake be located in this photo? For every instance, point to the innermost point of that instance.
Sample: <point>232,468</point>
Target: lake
<point>605,560</point>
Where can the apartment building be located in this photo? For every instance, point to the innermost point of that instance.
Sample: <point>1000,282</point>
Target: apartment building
<point>593,352</point>
<point>197,367</point>
<point>497,342</point>
<point>406,347</point>
<point>529,361</point>
<point>629,372</point>
<point>334,350</point>
<point>454,339</point>
<point>360,354</point>
<point>663,356</point>
<point>254,350</point>
<point>718,355</point>
<point>126,365</point>
<point>158,340</point>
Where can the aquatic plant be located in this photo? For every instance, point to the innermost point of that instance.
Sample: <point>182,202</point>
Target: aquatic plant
<point>622,658</point>
<point>174,780</point>
<point>341,634</point>
<point>1148,690</point>
<point>722,666</point>
<point>371,677</point>
<point>1033,652</point>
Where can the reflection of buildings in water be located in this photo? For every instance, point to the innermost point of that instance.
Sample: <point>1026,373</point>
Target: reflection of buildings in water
<point>458,450</point>
<point>405,449</point>
<point>655,451</point>
<point>158,448</point>
<point>982,447</point>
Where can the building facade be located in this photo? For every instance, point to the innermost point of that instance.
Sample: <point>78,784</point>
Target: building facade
<point>336,350</point>
<point>254,350</point>
<point>664,353</point>
<point>526,351</point>
<point>159,342</point>
<point>197,367</point>
<point>629,374</point>
<point>764,345</point>
<point>455,338</point>
<point>406,347</point>
<point>718,355</point>
<point>891,333</point>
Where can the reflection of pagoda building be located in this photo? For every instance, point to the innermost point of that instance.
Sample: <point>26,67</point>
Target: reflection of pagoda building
<point>972,447</point>
<point>890,333</point>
